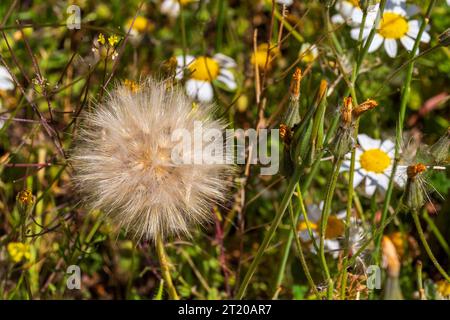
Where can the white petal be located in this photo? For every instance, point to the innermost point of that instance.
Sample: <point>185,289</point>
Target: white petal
<point>425,37</point>
<point>357,178</point>
<point>390,45</point>
<point>304,235</point>
<point>188,58</point>
<point>170,8</point>
<point>387,146</point>
<point>356,17</point>
<point>345,166</point>
<point>382,181</point>
<point>354,33</point>
<point>407,42</point>
<point>6,84</point>
<point>332,246</point>
<point>224,61</point>
<point>376,43</point>
<point>371,186</point>
<point>367,142</point>
<point>345,8</point>
<point>227,77</point>
<point>338,19</point>
<point>200,90</point>
<point>285,2</point>
<point>413,28</point>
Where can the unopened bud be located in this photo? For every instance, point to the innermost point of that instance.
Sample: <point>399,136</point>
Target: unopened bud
<point>346,111</point>
<point>295,84</point>
<point>369,104</point>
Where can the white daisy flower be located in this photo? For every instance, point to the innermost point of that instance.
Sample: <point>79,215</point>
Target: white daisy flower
<point>350,12</point>
<point>203,71</point>
<point>393,26</point>
<point>373,163</point>
<point>172,8</point>
<point>285,2</point>
<point>6,81</point>
<point>335,229</point>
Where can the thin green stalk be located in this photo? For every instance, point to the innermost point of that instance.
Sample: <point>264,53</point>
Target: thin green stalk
<point>427,247</point>
<point>183,35</point>
<point>436,232</point>
<point>399,129</point>
<point>165,269</point>
<point>302,256</point>
<point>220,23</point>
<point>270,233</point>
<point>324,220</point>
<point>292,234</point>
<point>420,280</point>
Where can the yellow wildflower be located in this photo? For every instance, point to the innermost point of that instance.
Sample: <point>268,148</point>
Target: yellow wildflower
<point>19,251</point>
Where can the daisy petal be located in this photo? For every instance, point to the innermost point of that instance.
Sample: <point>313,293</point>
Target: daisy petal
<point>337,19</point>
<point>407,42</point>
<point>382,181</point>
<point>180,60</point>
<point>376,43</point>
<point>425,37</point>
<point>390,45</point>
<point>413,28</point>
<point>200,90</point>
<point>354,33</point>
<point>367,142</point>
<point>224,61</point>
<point>387,146</point>
<point>370,187</point>
<point>227,77</point>
<point>357,178</point>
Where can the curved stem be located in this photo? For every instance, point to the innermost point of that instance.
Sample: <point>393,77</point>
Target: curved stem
<point>427,247</point>
<point>165,269</point>
<point>302,256</point>
<point>324,219</point>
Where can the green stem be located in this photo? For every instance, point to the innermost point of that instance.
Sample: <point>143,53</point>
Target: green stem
<point>270,233</point>
<point>436,232</point>
<point>302,256</point>
<point>165,269</point>
<point>427,247</point>
<point>324,220</point>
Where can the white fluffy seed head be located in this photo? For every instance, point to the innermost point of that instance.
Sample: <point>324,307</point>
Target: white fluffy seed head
<point>123,162</point>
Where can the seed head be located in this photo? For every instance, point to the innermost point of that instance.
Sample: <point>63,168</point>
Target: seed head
<point>123,161</point>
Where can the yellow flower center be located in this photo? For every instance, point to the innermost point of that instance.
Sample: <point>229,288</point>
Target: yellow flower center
<point>375,160</point>
<point>204,68</point>
<point>302,226</point>
<point>393,26</point>
<point>355,3</point>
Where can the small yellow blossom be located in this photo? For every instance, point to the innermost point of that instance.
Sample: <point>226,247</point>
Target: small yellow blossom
<point>260,56</point>
<point>113,40</point>
<point>19,251</point>
<point>443,287</point>
<point>141,24</point>
<point>101,39</point>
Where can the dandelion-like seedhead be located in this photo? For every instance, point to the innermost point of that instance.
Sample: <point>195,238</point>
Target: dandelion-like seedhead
<point>123,162</point>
